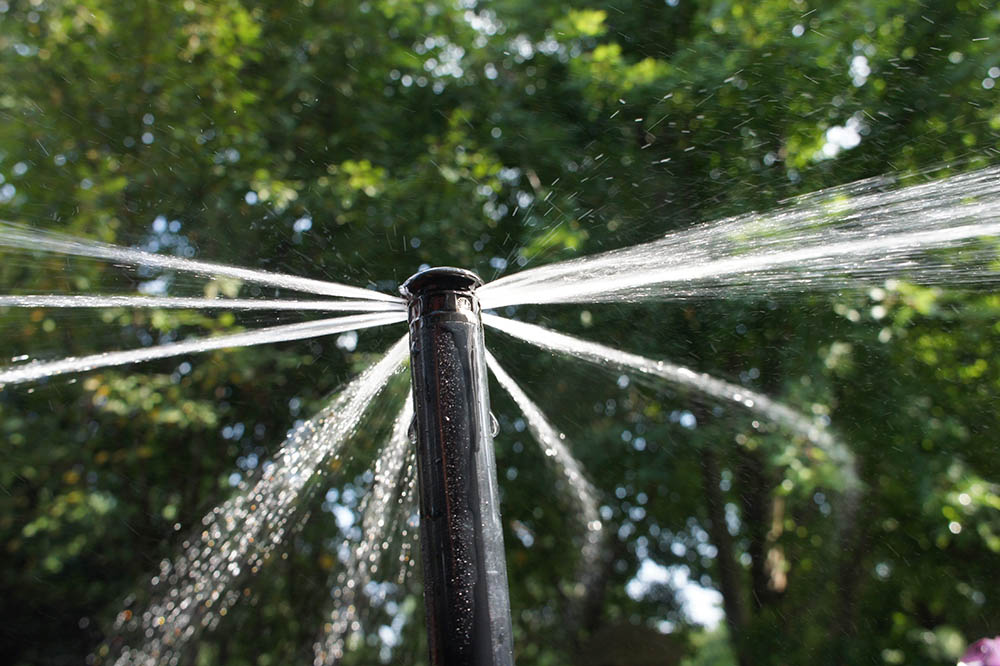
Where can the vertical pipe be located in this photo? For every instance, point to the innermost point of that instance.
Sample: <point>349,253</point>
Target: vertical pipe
<point>461,537</point>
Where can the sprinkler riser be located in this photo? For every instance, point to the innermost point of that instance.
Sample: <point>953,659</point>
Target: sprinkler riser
<point>461,536</point>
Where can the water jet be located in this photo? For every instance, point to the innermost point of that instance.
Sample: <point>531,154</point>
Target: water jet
<point>461,537</point>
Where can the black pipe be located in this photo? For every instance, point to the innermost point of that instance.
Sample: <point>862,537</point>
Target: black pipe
<point>461,537</point>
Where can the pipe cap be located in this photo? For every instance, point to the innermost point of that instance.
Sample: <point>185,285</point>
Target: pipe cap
<point>441,278</point>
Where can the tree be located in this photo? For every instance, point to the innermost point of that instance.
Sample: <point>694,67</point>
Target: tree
<point>358,142</point>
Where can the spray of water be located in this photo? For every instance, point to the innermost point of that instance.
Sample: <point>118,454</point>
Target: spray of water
<point>175,303</point>
<point>859,233</point>
<point>26,238</point>
<point>936,232</point>
<point>381,511</point>
<point>553,444</point>
<point>700,382</point>
<point>196,589</point>
<point>310,329</point>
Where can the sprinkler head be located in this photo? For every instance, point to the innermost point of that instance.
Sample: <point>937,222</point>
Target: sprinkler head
<point>461,536</point>
<point>441,278</point>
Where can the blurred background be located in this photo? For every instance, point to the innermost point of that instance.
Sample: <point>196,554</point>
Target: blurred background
<point>359,141</point>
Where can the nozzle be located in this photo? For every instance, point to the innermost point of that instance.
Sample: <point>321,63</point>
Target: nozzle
<point>441,278</point>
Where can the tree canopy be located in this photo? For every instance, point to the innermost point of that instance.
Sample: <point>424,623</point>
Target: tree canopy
<point>361,141</point>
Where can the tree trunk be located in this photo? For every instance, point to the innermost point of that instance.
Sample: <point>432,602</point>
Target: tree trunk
<point>729,573</point>
<point>755,493</point>
<point>853,544</point>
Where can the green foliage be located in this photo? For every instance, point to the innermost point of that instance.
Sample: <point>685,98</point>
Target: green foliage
<point>497,135</point>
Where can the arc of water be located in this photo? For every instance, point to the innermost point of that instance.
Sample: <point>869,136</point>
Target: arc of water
<point>362,563</point>
<point>699,381</point>
<point>311,329</point>
<point>812,244</point>
<point>172,302</point>
<point>239,536</point>
<point>818,259</point>
<point>410,518</point>
<point>21,237</point>
<point>553,444</point>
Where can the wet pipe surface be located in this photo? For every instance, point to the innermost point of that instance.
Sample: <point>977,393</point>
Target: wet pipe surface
<point>465,581</point>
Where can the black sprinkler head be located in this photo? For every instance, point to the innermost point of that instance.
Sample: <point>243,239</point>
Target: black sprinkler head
<point>441,278</point>
<point>461,536</point>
